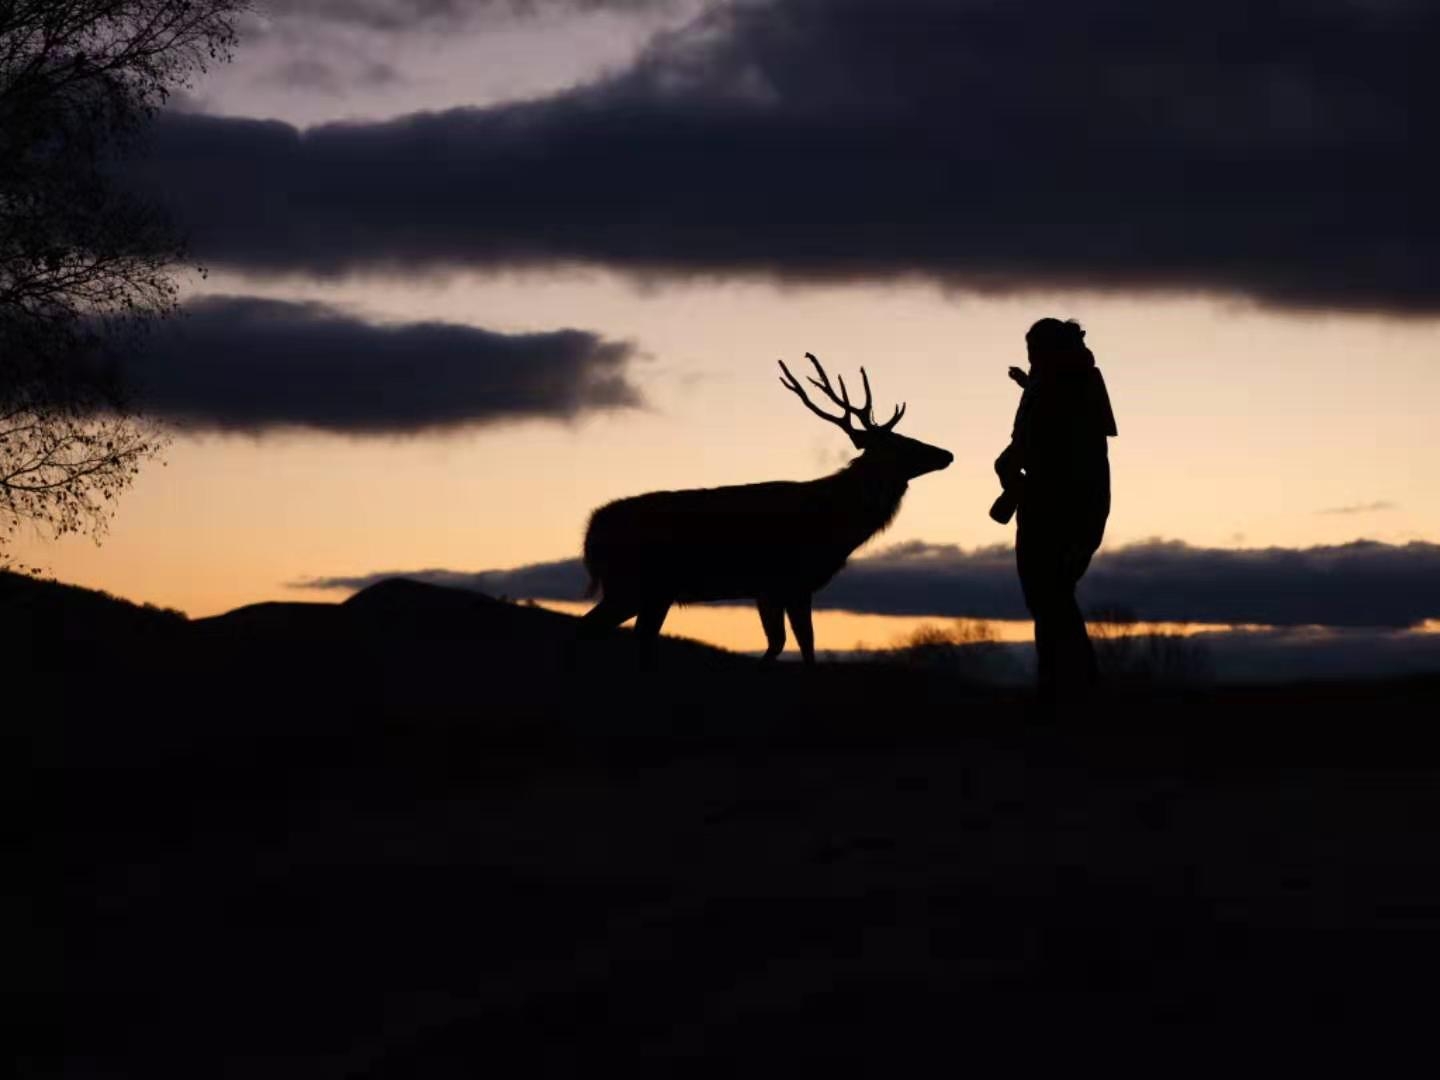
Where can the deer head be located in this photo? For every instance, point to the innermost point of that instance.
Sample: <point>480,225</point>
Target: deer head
<point>877,443</point>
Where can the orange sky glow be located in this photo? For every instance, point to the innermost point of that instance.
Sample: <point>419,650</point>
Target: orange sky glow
<point>1240,426</point>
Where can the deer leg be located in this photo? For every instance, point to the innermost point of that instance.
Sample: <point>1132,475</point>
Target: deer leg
<point>651,618</point>
<point>609,613</point>
<point>799,610</point>
<point>647,633</point>
<point>772,618</point>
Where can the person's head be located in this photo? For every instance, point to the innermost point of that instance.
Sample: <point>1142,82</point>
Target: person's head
<point>1057,345</point>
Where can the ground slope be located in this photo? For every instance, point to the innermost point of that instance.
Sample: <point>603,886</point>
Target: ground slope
<point>408,837</point>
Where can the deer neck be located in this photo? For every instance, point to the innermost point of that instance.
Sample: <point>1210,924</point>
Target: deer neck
<point>873,494</point>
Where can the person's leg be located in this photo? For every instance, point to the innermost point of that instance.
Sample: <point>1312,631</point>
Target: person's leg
<point>1089,669</point>
<point>1047,680</point>
<point>1084,670</point>
<point>1075,654</point>
<point>1053,549</point>
<point>1038,563</point>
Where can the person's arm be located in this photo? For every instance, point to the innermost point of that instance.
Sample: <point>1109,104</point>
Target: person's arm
<point>1011,462</point>
<point>1100,404</point>
<point>1009,465</point>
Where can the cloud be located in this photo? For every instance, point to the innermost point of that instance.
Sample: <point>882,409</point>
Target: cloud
<point>1360,584</point>
<point>308,73</point>
<point>1359,508</point>
<point>1267,150</point>
<point>402,15</point>
<point>1295,653</point>
<point>1364,583</point>
<point>563,579</point>
<point>238,363</point>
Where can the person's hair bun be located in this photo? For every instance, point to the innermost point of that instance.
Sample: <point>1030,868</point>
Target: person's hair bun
<point>1053,335</point>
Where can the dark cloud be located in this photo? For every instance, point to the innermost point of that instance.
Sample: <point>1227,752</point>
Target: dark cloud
<point>563,579</point>
<point>400,15</point>
<point>250,364</point>
<point>1267,150</point>
<point>1293,653</point>
<point>1359,508</point>
<point>1364,583</point>
<point>1361,584</point>
<point>308,73</point>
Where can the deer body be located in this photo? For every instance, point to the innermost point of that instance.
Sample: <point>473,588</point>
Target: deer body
<point>773,543</point>
<point>736,543</point>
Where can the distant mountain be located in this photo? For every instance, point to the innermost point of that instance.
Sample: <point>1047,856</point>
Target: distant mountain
<point>398,650</point>
<point>421,623</point>
<point>57,625</point>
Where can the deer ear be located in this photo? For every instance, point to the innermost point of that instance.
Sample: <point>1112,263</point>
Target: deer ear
<point>858,438</point>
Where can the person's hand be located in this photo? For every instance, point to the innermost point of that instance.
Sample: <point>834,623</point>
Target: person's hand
<point>1019,376</point>
<point>1005,467</point>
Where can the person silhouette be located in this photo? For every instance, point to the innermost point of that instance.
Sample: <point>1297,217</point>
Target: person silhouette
<point>1056,479</point>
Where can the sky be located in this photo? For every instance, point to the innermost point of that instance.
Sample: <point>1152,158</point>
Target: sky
<point>476,268</point>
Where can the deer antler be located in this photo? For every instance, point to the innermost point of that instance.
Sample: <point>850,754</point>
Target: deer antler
<point>866,412</point>
<point>869,414</point>
<point>823,383</point>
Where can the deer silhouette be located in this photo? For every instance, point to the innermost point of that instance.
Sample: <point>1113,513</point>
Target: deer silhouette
<point>773,543</point>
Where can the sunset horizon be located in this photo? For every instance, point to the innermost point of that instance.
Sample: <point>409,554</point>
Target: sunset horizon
<point>440,324</point>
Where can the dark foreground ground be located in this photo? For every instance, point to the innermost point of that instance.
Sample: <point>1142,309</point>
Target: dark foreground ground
<point>398,838</point>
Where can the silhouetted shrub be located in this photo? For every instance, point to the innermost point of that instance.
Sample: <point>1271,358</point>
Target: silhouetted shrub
<point>170,612</point>
<point>968,648</point>
<point>1130,651</point>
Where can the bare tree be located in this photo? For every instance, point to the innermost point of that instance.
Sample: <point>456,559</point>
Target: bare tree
<point>86,267</point>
